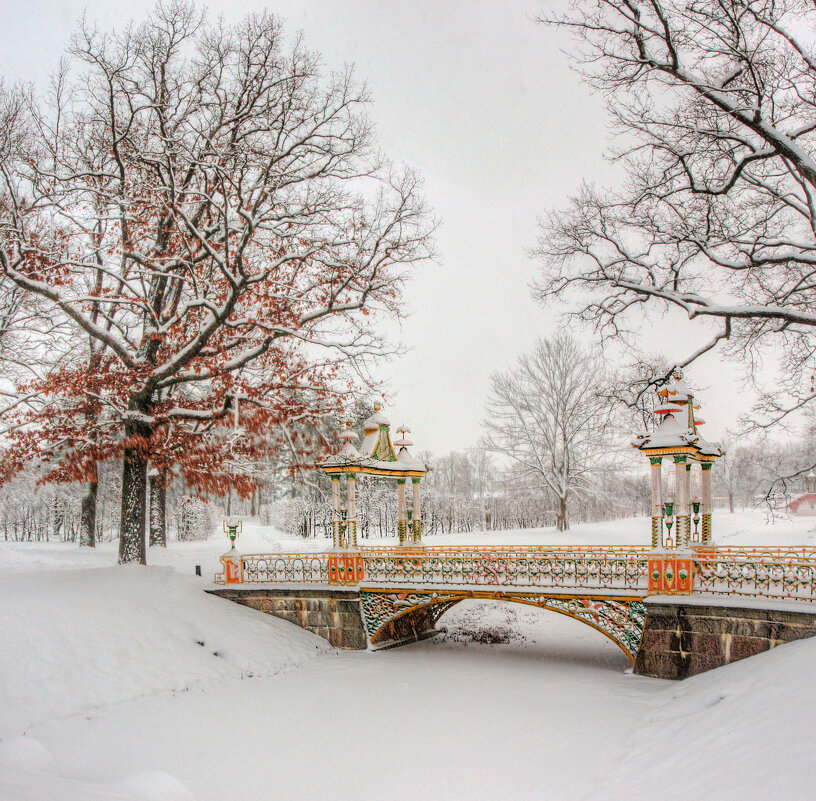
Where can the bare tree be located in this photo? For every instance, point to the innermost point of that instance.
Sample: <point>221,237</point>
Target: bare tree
<point>717,216</point>
<point>208,209</point>
<point>548,416</point>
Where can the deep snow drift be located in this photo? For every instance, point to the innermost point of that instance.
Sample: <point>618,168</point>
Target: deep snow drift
<point>132,683</point>
<point>79,640</point>
<point>76,641</point>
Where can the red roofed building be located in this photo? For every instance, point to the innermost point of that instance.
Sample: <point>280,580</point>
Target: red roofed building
<point>805,505</point>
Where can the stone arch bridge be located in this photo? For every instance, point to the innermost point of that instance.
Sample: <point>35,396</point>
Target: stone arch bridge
<point>674,613</point>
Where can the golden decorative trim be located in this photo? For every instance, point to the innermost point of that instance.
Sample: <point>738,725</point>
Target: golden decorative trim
<point>499,595</point>
<point>371,471</point>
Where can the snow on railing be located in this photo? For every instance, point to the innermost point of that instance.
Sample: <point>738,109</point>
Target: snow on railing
<point>762,551</point>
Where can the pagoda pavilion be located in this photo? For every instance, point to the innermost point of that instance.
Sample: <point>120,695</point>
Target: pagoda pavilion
<point>676,437</point>
<point>376,456</point>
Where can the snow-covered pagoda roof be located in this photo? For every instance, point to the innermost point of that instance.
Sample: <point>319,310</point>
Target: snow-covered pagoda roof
<point>377,455</point>
<point>676,426</point>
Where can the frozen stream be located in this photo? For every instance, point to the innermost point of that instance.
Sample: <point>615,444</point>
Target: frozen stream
<point>543,714</point>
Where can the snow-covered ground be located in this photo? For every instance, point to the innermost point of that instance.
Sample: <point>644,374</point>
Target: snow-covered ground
<point>128,683</point>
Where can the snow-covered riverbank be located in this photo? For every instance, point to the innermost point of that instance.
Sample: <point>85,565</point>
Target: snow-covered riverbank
<point>131,683</point>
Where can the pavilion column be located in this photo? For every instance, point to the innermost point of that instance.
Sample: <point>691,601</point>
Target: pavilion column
<point>657,501</point>
<point>417,512</point>
<point>687,493</point>
<point>351,510</point>
<point>335,484</point>
<point>694,517</point>
<point>682,485</point>
<point>402,525</point>
<point>706,501</point>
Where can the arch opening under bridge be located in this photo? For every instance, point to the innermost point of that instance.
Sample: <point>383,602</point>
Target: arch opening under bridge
<point>397,617</point>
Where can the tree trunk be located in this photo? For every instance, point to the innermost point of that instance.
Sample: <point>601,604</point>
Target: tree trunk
<point>58,518</point>
<point>134,492</point>
<point>731,502</point>
<point>253,509</point>
<point>158,511</point>
<point>87,522</point>
<point>562,521</point>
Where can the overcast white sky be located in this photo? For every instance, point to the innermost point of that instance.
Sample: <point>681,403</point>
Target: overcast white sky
<point>482,101</point>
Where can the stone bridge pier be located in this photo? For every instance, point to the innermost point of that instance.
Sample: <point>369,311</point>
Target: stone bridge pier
<point>339,615</point>
<point>684,637</point>
<point>333,614</point>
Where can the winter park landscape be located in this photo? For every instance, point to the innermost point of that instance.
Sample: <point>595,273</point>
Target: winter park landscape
<point>407,400</point>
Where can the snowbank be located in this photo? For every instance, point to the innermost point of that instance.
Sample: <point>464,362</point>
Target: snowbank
<point>28,772</point>
<point>78,639</point>
<point>740,528</point>
<point>738,733</point>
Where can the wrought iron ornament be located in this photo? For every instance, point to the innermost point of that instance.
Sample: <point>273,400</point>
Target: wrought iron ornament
<point>620,619</point>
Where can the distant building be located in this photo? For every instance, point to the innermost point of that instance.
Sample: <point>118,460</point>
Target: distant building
<point>805,504</point>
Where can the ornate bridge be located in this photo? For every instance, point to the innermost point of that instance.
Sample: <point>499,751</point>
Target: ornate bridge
<point>678,608</point>
<point>403,591</point>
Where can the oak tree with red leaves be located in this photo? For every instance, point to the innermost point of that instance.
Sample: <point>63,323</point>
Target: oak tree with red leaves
<point>206,206</point>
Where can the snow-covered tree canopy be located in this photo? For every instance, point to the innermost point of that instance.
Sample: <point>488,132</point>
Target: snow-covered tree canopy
<point>548,415</point>
<point>716,101</point>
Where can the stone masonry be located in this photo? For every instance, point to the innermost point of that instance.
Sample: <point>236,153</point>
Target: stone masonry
<point>681,640</point>
<point>332,614</point>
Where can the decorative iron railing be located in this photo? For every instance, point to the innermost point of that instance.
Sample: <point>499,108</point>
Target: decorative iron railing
<point>760,572</point>
<point>597,568</point>
<point>578,550</point>
<point>757,576</point>
<point>764,551</point>
<point>568,569</point>
<point>296,568</point>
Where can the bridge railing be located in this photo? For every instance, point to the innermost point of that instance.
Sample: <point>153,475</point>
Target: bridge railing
<point>607,568</point>
<point>756,576</point>
<point>758,572</point>
<point>563,569</point>
<point>295,568</point>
